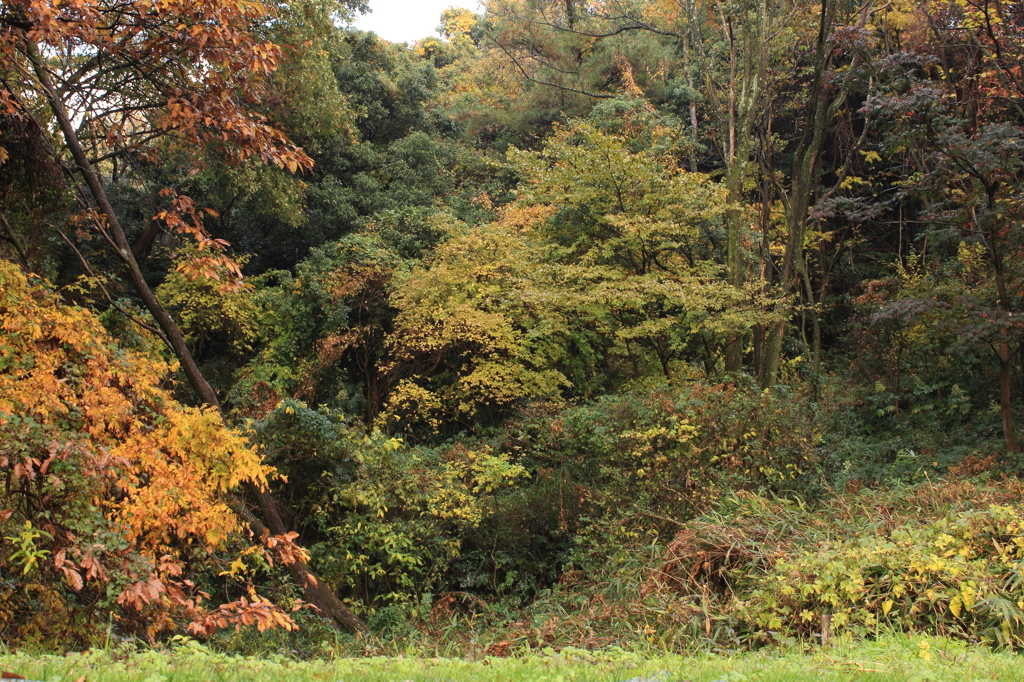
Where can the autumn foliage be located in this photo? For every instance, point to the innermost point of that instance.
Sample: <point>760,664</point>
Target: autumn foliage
<point>141,78</point>
<point>124,59</point>
<point>112,489</point>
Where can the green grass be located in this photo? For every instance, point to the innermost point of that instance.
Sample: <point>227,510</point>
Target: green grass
<point>895,658</point>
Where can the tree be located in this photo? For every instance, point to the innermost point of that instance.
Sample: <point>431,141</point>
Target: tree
<point>117,76</point>
<point>954,128</point>
<point>635,235</point>
<point>475,333</point>
<point>735,52</point>
<point>832,80</point>
<point>115,492</point>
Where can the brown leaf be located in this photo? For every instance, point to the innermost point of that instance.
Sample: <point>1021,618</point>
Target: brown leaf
<point>74,577</point>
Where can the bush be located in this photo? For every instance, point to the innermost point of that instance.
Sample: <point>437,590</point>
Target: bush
<point>959,575</point>
<point>114,497</point>
<point>944,559</point>
<point>383,521</point>
<point>603,475</point>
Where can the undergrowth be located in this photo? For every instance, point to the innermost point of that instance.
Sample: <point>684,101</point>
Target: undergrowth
<point>936,559</point>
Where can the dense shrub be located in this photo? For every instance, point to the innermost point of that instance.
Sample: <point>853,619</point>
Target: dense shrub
<point>960,575</point>
<point>384,521</point>
<point>113,491</point>
<point>606,473</point>
<point>940,559</point>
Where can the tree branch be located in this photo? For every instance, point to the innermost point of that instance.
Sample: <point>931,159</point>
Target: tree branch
<point>12,237</point>
<point>531,79</point>
<point>106,294</point>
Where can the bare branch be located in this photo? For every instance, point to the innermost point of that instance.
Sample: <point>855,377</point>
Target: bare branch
<point>531,79</point>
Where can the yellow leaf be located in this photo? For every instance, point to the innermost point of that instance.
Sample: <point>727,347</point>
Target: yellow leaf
<point>887,606</point>
<point>852,181</point>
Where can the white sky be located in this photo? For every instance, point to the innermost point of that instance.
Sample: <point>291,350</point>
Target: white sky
<point>408,20</point>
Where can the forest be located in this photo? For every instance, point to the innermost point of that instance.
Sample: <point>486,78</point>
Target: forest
<point>693,323</point>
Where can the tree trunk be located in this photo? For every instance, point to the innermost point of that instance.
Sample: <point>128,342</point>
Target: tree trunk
<point>147,237</point>
<point>734,248</point>
<point>693,105</point>
<point>124,249</point>
<point>803,183</point>
<point>13,240</point>
<point>1005,407</point>
<point>1005,305</point>
<point>317,593</point>
<point>735,110</point>
<point>766,266</point>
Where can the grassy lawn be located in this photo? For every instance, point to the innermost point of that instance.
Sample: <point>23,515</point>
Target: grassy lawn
<point>895,658</point>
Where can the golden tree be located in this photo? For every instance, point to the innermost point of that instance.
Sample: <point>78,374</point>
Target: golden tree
<point>119,77</point>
